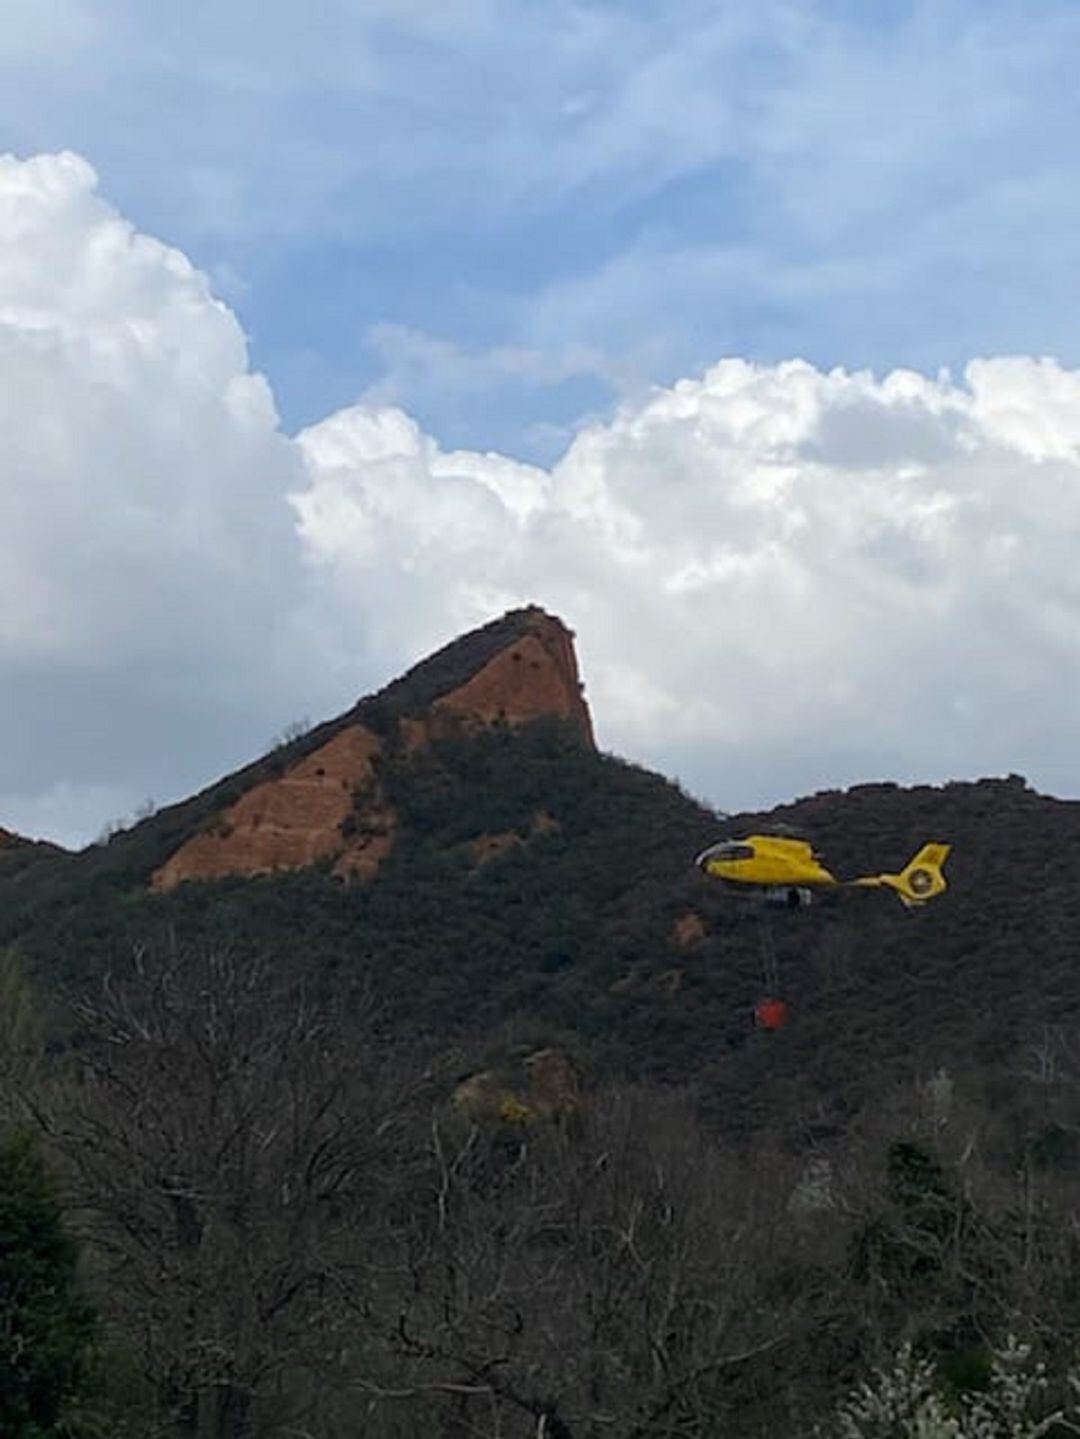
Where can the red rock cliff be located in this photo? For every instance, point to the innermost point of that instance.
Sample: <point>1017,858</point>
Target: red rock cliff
<point>284,823</point>
<point>535,676</point>
<point>310,812</point>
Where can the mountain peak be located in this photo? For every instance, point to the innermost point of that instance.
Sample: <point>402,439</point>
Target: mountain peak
<point>519,667</point>
<point>324,800</point>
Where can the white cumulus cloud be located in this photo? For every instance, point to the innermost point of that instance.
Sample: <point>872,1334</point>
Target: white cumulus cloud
<point>780,578</point>
<point>147,558</point>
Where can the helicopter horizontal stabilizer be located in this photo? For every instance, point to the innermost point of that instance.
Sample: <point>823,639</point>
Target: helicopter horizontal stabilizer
<point>919,882</point>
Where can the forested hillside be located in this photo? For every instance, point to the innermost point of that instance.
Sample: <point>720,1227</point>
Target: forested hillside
<point>248,1086</point>
<point>541,892</point>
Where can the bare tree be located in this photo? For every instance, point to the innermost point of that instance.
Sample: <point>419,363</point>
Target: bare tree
<point>221,1139</point>
<point>602,1286</point>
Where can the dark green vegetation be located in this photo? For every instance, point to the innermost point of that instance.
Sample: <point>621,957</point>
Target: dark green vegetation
<point>245,1099</point>
<point>570,935</point>
<point>57,1375</point>
<point>448,947</point>
<point>289,1230</point>
<point>46,1328</point>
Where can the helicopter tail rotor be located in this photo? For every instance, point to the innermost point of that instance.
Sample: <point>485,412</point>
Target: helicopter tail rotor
<point>919,882</point>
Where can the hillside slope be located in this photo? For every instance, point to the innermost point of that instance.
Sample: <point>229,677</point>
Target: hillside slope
<point>456,851</point>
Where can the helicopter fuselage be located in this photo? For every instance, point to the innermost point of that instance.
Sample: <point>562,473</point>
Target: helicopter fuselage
<point>767,863</point>
<point>788,871</point>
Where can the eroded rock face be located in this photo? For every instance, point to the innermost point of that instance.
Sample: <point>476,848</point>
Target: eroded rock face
<point>365,851</point>
<point>309,813</point>
<point>481,1097</point>
<point>554,1084</point>
<point>487,847</point>
<point>533,677</point>
<point>547,1087</point>
<point>689,929</point>
<point>293,820</point>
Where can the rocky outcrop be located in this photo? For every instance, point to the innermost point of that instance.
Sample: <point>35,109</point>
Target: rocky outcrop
<point>327,806</point>
<point>485,1098</point>
<point>554,1090</point>
<point>532,677</point>
<point>372,829</point>
<point>297,819</point>
<point>689,929</point>
<point>486,847</point>
<point>546,1087</point>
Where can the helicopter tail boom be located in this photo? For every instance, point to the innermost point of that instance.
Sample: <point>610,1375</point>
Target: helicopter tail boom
<point>919,882</point>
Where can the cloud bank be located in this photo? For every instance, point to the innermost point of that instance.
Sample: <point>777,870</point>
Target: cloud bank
<point>781,579</point>
<point>148,566</point>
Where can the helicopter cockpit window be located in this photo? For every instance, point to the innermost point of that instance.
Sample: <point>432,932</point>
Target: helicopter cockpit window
<point>727,852</point>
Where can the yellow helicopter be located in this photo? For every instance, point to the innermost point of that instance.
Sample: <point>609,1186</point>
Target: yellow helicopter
<point>786,871</point>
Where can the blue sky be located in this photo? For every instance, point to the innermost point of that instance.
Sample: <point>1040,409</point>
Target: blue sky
<point>329,331</point>
<point>508,216</point>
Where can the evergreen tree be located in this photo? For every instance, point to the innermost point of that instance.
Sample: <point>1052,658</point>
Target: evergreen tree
<point>45,1327</point>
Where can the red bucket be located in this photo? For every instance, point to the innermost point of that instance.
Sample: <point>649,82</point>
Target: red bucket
<point>770,1014</point>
